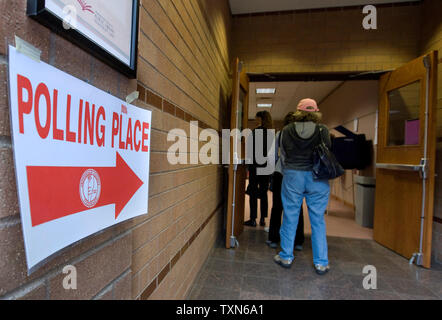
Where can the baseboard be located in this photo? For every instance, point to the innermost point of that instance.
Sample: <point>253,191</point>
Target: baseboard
<point>348,204</point>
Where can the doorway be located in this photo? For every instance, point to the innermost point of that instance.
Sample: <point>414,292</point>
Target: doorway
<point>352,104</point>
<point>405,147</point>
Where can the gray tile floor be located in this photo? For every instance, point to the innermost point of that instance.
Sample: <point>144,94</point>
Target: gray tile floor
<point>249,273</point>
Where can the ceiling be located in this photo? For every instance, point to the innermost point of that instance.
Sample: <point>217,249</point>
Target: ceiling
<point>254,6</point>
<point>287,95</point>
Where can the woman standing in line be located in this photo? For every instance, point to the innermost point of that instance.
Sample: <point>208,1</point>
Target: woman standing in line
<point>276,215</point>
<point>298,141</point>
<point>259,184</point>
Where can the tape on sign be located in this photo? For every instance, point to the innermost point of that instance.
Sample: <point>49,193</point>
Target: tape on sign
<point>27,49</point>
<point>132,97</point>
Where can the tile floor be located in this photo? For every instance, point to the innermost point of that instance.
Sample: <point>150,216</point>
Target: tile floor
<point>340,222</point>
<point>249,273</point>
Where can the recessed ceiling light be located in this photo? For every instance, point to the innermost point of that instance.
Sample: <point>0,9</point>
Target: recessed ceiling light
<point>264,105</point>
<point>265,90</point>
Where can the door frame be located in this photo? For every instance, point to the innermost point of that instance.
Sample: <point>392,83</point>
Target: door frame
<point>237,174</point>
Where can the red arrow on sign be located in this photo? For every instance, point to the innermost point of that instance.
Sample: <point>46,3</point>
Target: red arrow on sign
<point>54,192</point>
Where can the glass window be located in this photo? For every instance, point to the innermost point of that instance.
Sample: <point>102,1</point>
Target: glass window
<point>404,122</point>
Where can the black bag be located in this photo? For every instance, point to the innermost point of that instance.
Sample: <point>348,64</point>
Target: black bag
<point>325,165</point>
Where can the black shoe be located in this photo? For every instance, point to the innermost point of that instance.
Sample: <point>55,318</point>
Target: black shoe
<point>273,245</point>
<point>250,223</point>
<point>262,223</point>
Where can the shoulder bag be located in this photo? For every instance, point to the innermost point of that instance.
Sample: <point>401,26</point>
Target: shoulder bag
<point>325,165</point>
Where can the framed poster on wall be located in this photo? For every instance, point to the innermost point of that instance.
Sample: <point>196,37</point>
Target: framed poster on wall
<point>106,29</point>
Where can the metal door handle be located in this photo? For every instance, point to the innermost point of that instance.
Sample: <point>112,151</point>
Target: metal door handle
<point>402,167</point>
<point>422,168</point>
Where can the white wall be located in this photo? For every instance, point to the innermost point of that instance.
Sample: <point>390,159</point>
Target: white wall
<point>353,100</point>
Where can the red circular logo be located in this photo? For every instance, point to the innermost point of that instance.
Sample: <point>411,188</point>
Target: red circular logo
<point>90,188</point>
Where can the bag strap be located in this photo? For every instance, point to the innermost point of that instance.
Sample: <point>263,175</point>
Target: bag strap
<point>281,147</point>
<point>320,135</point>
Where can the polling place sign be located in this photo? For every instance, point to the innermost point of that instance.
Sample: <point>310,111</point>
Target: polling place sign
<point>81,157</point>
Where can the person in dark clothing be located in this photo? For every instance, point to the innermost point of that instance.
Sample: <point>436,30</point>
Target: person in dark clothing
<point>259,184</point>
<point>276,215</point>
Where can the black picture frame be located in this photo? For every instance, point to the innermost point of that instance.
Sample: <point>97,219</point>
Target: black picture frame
<point>36,9</point>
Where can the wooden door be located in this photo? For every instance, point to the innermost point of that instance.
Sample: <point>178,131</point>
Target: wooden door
<point>237,172</point>
<point>405,168</point>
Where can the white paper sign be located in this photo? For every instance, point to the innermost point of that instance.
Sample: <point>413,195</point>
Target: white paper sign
<point>107,23</point>
<point>81,157</point>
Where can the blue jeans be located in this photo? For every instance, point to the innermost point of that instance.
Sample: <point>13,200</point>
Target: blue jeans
<point>295,186</point>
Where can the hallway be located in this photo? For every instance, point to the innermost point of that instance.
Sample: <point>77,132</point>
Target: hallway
<point>249,273</point>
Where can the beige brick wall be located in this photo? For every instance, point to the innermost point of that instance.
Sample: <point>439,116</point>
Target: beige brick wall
<point>183,69</point>
<point>184,62</point>
<point>327,40</point>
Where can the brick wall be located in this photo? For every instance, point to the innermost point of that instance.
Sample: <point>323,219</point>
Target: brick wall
<point>431,39</point>
<point>327,40</point>
<point>182,76</point>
